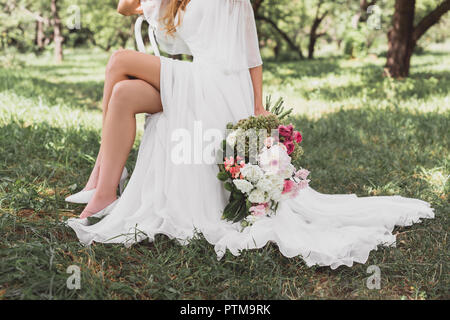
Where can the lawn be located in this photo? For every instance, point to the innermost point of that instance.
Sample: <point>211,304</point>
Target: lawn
<point>363,134</point>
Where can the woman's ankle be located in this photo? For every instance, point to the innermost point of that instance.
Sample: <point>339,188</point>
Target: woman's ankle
<point>98,202</point>
<point>93,179</point>
<point>104,197</point>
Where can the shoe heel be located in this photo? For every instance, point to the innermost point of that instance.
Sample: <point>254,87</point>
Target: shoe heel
<point>121,186</point>
<point>123,178</point>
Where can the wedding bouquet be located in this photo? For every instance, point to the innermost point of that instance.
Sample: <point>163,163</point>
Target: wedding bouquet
<point>256,166</point>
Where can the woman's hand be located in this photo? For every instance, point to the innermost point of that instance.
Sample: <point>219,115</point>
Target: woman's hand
<point>260,111</point>
<point>129,7</point>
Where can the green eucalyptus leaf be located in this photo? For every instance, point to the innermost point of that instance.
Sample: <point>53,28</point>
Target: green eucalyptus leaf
<point>223,176</point>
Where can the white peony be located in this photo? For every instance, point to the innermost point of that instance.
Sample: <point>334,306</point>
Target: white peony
<point>252,173</point>
<point>264,184</point>
<point>257,196</point>
<point>243,185</point>
<point>288,171</point>
<point>274,159</point>
<point>275,195</point>
<point>276,182</point>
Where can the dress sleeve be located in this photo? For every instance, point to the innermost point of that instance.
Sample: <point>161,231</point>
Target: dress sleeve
<point>251,37</point>
<point>169,44</point>
<point>151,10</point>
<point>229,34</point>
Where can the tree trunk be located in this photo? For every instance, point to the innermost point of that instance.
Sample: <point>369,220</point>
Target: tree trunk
<point>57,31</point>
<point>40,36</point>
<point>403,36</point>
<point>256,5</point>
<point>401,44</point>
<point>313,35</point>
<point>276,50</point>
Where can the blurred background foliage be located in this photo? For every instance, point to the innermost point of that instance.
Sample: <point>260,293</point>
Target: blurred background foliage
<point>288,29</point>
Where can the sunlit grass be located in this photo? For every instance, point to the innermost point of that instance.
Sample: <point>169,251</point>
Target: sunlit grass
<point>327,85</point>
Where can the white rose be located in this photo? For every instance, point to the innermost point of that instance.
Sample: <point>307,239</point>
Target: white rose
<point>252,173</point>
<point>264,184</point>
<point>257,196</point>
<point>243,185</point>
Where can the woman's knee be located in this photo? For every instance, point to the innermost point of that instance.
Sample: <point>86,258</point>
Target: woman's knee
<point>120,95</point>
<point>117,61</point>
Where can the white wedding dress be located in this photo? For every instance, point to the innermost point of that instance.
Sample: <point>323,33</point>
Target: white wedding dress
<point>178,200</point>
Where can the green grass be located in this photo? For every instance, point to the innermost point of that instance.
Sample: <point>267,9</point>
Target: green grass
<point>363,133</point>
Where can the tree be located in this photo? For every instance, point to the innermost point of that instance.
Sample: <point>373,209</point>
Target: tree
<point>296,48</point>
<point>57,31</point>
<point>403,36</point>
<point>362,14</point>
<point>18,28</point>
<point>36,10</point>
<point>272,12</point>
<point>104,27</point>
<point>313,34</point>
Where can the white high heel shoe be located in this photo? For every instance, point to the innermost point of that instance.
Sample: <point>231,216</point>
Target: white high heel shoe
<point>85,196</point>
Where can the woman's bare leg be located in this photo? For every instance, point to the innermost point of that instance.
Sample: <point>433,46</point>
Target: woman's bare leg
<point>129,98</point>
<point>111,78</point>
<point>114,74</point>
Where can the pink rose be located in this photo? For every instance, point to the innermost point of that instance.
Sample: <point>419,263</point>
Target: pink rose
<point>303,184</point>
<point>235,172</point>
<point>296,191</point>
<point>288,139</point>
<point>233,167</point>
<point>302,174</point>
<point>286,131</point>
<point>298,137</point>
<point>289,147</point>
<point>229,162</point>
<point>297,187</point>
<point>289,185</point>
<point>258,210</point>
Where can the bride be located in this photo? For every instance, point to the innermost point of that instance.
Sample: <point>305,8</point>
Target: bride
<point>223,84</point>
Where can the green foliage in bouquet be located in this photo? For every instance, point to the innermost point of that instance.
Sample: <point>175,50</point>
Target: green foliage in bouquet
<point>237,208</point>
<point>277,109</point>
<point>269,123</point>
<point>297,153</point>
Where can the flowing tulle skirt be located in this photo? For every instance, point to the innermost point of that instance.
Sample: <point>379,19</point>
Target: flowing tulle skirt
<point>177,199</point>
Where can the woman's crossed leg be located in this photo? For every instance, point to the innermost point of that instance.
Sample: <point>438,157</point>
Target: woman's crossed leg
<point>132,86</point>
